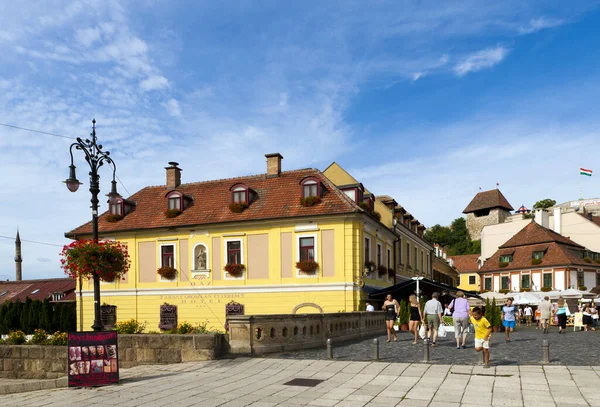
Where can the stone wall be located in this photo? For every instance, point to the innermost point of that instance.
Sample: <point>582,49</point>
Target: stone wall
<point>259,334</point>
<point>475,224</point>
<point>49,362</point>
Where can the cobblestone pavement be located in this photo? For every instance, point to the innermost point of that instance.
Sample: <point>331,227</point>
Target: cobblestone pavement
<point>260,382</point>
<point>572,348</point>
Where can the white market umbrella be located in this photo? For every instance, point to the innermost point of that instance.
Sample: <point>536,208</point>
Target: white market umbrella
<point>491,295</point>
<point>571,293</point>
<point>475,302</point>
<point>525,298</point>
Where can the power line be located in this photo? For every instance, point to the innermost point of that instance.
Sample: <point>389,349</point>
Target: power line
<point>37,131</point>
<point>32,241</point>
<point>57,135</point>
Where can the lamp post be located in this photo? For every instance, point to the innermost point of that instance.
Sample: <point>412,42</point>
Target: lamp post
<point>417,279</point>
<point>95,157</point>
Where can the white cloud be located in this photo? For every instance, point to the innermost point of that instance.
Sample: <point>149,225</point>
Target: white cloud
<point>87,36</point>
<point>417,75</point>
<point>537,24</point>
<point>173,107</point>
<point>154,82</point>
<point>479,60</point>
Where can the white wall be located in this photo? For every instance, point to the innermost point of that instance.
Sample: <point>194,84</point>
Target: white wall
<point>536,281</point>
<point>580,229</point>
<point>589,279</point>
<point>494,236</point>
<point>559,280</point>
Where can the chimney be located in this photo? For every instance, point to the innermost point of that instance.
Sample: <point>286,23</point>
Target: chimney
<point>557,219</point>
<point>273,164</point>
<point>18,258</point>
<point>173,175</point>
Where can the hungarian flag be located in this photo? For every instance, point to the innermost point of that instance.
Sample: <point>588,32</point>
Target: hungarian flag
<point>583,171</point>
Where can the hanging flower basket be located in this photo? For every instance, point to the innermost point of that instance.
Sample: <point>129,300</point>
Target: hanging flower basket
<point>84,258</point>
<point>391,273</point>
<point>307,266</point>
<point>309,201</point>
<point>113,217</point>
<point>503,264</point>
<point>237,207</point>
<point>370,266</point>
<point>167,272</point>
<point>234,269</point>
<point>382,270</point>
<point>171,213</point>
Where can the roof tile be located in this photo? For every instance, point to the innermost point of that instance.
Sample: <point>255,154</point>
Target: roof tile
<point>488,200</point>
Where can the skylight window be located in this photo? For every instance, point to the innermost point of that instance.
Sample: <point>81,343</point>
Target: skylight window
<point>35,291</point>
<point>3,292</point>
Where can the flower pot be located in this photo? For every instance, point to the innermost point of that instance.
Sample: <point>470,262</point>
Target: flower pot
<point>495,328</point>
<point>404,327</point>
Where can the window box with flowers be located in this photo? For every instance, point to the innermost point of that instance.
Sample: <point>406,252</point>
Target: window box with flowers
<point>309,201</point>
<point>113,217</point>
<point>84,258</point>
<point>237,207</point>
<point>376,215</point>
<point>370,266</point>
<point>234,269</point>
<point>382,270</point>
<point>535,262</point>
<point>307,266</point>
<point>503,264</point>
<point>167,272</point>
<point>587,259</point>
<point>546,289</point>
<point>172,213</point>
<point>391,273</point>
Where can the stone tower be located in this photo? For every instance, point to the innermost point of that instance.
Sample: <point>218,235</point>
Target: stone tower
<point>487,208</point>
<point>18,258</point>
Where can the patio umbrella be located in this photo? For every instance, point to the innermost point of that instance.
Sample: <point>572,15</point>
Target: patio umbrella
<point>491,295</point>
<point>475,302</point>
<point>526,299</point>
<point>571,293</point>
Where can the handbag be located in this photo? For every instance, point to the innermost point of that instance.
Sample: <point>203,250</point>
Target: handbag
<point>442,331</point>
<point>423,331</point>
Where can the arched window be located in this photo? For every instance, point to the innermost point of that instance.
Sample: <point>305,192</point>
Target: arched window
<point>116,208</point>
<point>311,186</point>
<point>175,201</point>
<point>200,257</point>
<point>240,194</point>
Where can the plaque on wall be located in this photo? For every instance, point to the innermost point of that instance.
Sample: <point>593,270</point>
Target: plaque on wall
<point>233,308</point>
<point>108,317</point>
<point>93,359</point>
<point>168,317</point>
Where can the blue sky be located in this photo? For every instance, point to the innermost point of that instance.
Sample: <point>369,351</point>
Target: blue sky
<point>424,101</point>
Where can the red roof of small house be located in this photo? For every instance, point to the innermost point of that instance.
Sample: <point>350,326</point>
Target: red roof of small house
<point>466,263</point>
<point>37,289</point>
<point>558,251</point>
<point>488,200</point>
<point>275,197</point>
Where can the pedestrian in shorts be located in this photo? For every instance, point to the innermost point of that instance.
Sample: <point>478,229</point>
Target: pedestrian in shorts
<point>483,333</point>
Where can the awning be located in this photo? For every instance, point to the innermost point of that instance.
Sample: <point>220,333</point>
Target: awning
<point>426,286</point>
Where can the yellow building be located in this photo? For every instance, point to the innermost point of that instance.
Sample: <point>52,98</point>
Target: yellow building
<point>468,267</point>
<point>268,223</point>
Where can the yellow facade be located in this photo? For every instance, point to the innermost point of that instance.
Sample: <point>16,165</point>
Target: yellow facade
<point>464,282</point>
<point>271,283</point>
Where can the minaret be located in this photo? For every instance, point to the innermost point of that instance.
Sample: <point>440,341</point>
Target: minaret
<point>18,258</point>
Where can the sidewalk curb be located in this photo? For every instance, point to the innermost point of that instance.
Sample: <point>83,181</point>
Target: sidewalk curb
<point>33,385</point>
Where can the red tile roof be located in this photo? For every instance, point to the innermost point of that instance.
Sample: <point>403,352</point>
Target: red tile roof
<point>533,233</point>
<point>559,251</point>
<point>466,263</point>
<point>275,197</point>
<point>488,200</point>
<point>13,290</point>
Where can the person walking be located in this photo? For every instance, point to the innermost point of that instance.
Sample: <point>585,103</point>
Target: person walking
<point>483,333</point>
<point>460,318</point>
<point>433,317</point>
<point>537,318</point>
<point>528,314</point>
<point>561,313</point>
<point>416,316</point>
<point>545,308</point>
<point>594,312</point>
<point>587,317</point>
<point>509,315</point>
<point>391,308</point>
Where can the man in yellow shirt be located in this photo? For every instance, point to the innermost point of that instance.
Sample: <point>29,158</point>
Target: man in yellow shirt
<point>483,333</point>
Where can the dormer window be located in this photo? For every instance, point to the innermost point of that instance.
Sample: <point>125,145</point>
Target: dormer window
<point>240,194</point>
<point>507,258</point>
<point>175,201</point>
<point>538,255</point>
<point>369,202</point>
<point>116,208</point>
<point>311,187</point>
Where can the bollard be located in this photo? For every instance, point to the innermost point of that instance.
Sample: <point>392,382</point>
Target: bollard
<point>545,351</point>
<point>329,349</point>
<point>375,349</point>
<point>425,350</point>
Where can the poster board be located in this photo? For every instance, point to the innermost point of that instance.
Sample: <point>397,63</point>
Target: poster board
<point>577,320</point>
<point>93,359</point>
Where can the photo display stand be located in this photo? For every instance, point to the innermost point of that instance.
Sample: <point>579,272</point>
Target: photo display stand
<point>93,359</point>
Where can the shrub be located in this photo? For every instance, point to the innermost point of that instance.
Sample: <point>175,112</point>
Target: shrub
<point>447,320</point>
<point>171,213</point>
<point>309,201</point>
<point>381,270</point>
<point>364,206</point>
<point>308,266</point>
<point>2,341</point>
<point>404,312</point>
<point>185,328</point>
<point>131,326</point>
<point>582,288</point>
<point>234,269</point>
<point>167,272</point>
<point>503,264</point>
<point>587,259</point>
<point>546,289</point>
<point>40,337</point>
<point>17,338</point>
<point>58,339</point>
<point>237,207</point>
<point>536,261</point>
<point>376,215</point>
<point>113,217</point>
<point>525,290</point>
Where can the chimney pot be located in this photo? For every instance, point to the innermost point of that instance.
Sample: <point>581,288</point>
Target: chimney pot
<point>273,164</point>
<point>173,175</point>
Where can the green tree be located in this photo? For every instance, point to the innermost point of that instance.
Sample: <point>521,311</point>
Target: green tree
<point>454,239</point>
<point>441,235</point>
<point>544,204</point>
<point>46,316</point>
<point>56,317</point>
<point>24,315</point>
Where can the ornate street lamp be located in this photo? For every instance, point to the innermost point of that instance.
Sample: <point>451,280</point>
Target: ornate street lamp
<point>95,157</point>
